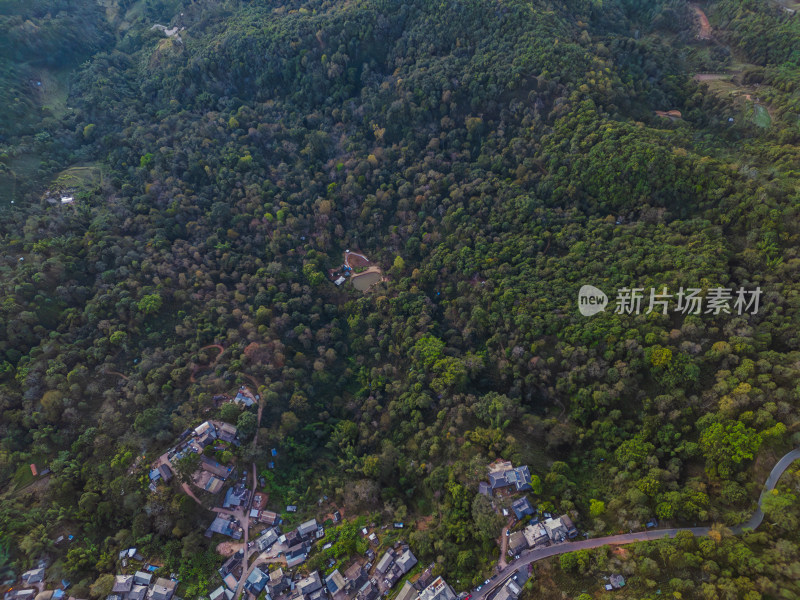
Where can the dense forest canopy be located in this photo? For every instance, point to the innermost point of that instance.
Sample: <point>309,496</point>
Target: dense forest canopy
<point>491,157</point>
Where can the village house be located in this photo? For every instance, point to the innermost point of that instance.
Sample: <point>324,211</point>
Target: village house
<point>335,583</point>
<point>368,591</point>
<point>231,564</point>
<point>572,531</point>
<point>522,508</point>
<point>536,535</point>
<point>226,525</point>
<point>256,582</point>
<point>266,541</point>
<point>517,542</point>
<point>406,561</point>
<point>33,576</point>
<point>291,538</point>
<point>142,578</point>
<point>278,582</point>
<point>310,588</point>
<point>560,529</point>
<point>503,475</point>
<point>244,397</point>
<point>122,584</point>
<point>163,589</point>
<point>355,576</point>
<point>296,555</point>
<point>165,472</point>
<point>210,483</point>
<point>228,433</point>
<point>385,562</point>
<point>393,566</point>
<point>231,582</point>
<point>307,529</point>
<point>509,591</point>
<point>615,582</point>
<point>221,593</point>
<point>215,468</point>
<point>542,534</point>
<point>18,594</point>
<point>424,580</point>
<point>438,590</point>
<point>205,434</point>
<point>236,496</point>
<point>407,592</point>
<point>268,517</point>
<point>138,592</point>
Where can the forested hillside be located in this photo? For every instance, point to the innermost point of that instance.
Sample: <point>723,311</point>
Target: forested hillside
<point>491,157</point>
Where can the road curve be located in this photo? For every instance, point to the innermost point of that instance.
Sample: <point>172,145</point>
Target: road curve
<point>770,484</point>
<point>535,554</point>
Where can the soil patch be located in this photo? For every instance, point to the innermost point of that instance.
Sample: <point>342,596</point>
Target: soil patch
<point>228,548</point>
<point>355,260</point>
<point>702,21</point>
<point>363,281</point>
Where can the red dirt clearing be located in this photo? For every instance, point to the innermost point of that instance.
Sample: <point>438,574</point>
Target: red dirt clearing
<point>228,548</point>
<point>354,259</point>
<point>705,26</point>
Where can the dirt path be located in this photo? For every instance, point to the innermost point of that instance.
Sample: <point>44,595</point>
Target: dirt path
<point>224,511</point>
<point>210,365</point>
<point>370,269</point>
<point>219,347</point>
<point>702,20</point>
<point>117,373</point>
<point>501,564</point>
<point>255,383</point>
<point>252,380</point>
<point>710,76</point>
<point>188,490</point>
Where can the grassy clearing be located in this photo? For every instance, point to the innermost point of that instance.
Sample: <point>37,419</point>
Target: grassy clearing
<point>761,116</point>
<point>79,178</point>
<point>54,90</point>
<point>23,477</point>
<point>726,87</point>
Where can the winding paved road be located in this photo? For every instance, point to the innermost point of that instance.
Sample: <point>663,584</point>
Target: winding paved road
<point>770,484</point>
<point>534,554</point>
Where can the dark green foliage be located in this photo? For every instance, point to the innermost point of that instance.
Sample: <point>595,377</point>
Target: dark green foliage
<point>490,158</point>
